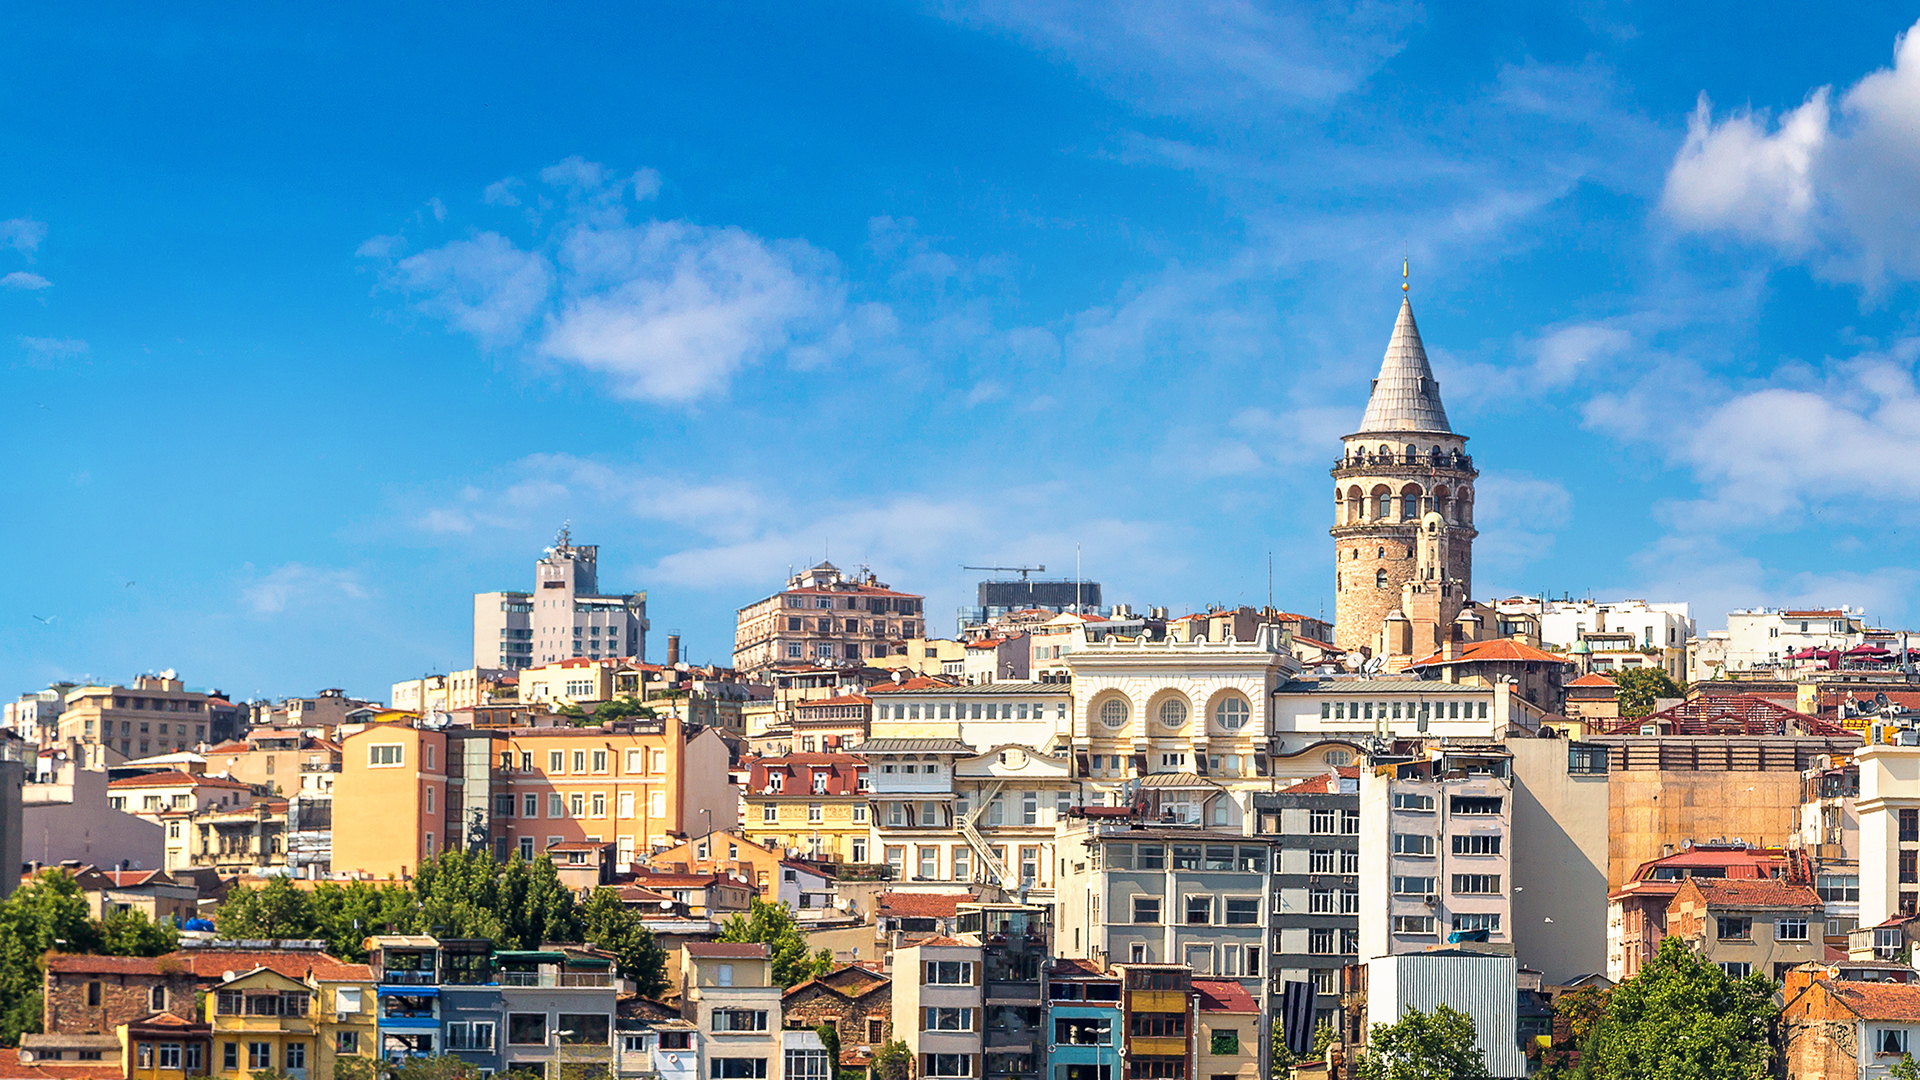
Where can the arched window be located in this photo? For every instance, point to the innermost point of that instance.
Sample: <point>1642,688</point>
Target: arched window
<point>1231,714</point>
<point>157,999</point>
<point>1383,506</point>
<point>1173,713</point>
<point>1113,712</point>
<point>1380,554</point>
<point>1380,579</point>
<point>1410,503</point>
<point>1413,453</point>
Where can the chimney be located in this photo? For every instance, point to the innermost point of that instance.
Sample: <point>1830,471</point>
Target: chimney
<point>1448,650</point>
<point>673,649</point>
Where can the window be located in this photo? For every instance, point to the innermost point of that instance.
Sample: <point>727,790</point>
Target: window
<point>296,1055</point>
<point>769,814</point>
<point>345,1042</point>
<point>1413,924</point>
<point>1199,910</point>
<point>1727,928</point>
<point>157,999</point>
<point>475,1035</point>
<point>259,1056</point>
<point>1794,929</point>
<point>1231,714</point>
<point>1413,886</point>
<point>930,863</point>
<point>556,806</point>
<point>556,761</point>
<point>1487,922</point>
<point>1890,1041</point>
<point>1173,713</point>
<point>1584,760</point>
<point>1476,884</point>
<point>170,1056</point>
<point>739,1020</point>
<point>807,1065</point>
<point>1113,712</point>
<point>1475,806</point>
<point>1838,888</point>
<point>1320,941</point>
<point>1320,862</point>
<point>1909,826</point>
<point>93,994</point>
<point>945,1019</point>
<point>1224,1042</point>
<point>1909,867</point>
<point>950,972</point>
<point>626,804</point>
<point>737,1069</point>
<point>381,755</point>
<point>1079,1031</point>
<point>1407,800</point>
<point>599,804</point>
<point>524,1029</point>
<point>1243,911</point>
<point>947,1064</point>
<point>1320,822</point>
<point>676,1040</point>
<point>577,803</point>
<point>1349,823</point>
<point>599,761</point>
<point>1416,844</point>
<point>230,1056</point>
<point>1146,909</point>
<point>1349,862</point>
<point>1476,845</point>
<point>1158,1025</point>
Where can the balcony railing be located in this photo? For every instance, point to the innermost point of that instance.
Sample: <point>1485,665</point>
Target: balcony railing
<point>591,979</point>
<point>409,978</point>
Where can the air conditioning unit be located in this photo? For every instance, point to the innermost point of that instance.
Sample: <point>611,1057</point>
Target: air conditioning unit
<point>1432,900</point>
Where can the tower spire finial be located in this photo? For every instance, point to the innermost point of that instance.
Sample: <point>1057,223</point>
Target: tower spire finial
<point>1406,262</point>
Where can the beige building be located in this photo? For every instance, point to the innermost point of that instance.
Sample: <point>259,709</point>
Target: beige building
<point>575,681</point>
<point>278,760</point>
<point>823,616</point>
<point>152,893</point>
<point>1403,463</point>
<point>153,794</point>
<point>1749,926</point>
<point>565,616</point>
<point>939,1006</point>
<point>728,992</point>
<point>156,715</point>
<point>234,839</point>
<point>922,656</point>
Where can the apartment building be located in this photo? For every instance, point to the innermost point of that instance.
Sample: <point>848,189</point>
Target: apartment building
<point>728,993</point>
<point>1227,1036</point>
<point>237,839</point>
<point>390,800</point>
<point>152,794</point>
<point>1889,815</point>
<point>271,1020</point>
<point>1637,911</point>
<point>1315,828</point>
<point>829,725</point>
<point>939,1006</point>
<point>1137,892</point>
<point>278,760</point>
<point>565,615</point>
<point>813,803</point>
<point>1309,709</point>
<point>1435,850</point>
<point>824,616</point>
<point>1192,720</point>
<point>1017,943</point>
<point>1160,1018</point>
<point>1085,1021</point>
<point>156,715</point>
<point>987,714</point>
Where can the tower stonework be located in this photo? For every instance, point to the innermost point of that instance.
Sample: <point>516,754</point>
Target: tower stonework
<point>1403,463</point>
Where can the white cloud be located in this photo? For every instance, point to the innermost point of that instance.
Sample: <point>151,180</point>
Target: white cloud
<point>23,234</point>
<point>484,286</point>
<point>1715,579</point>
<point>666,311</point>
<point>1833,184</point>
<point>1518,516</point>
<point>1193,56</point>
<point>46,348</point>
<point>296,585</point>
<point>20,279</point>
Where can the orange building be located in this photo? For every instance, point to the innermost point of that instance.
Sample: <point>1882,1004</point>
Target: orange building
<point>634,784</point>
<point>389,803</point>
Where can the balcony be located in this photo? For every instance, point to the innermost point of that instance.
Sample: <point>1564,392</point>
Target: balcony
<point>549,978</point>
<point>1157,1001</point>
<point>409,978</point>
<point>1153,1046</point>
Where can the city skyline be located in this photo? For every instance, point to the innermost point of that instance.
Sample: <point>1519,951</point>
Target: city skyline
<point>298,372</point>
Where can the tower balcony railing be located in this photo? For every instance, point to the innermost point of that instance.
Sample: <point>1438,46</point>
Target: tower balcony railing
<point>1459,461</point>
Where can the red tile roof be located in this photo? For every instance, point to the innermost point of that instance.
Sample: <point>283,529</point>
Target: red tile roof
<point>1501,650</point>
<point>76,964</point>
<point>1075,969</point>
<point>914,905</point>
<point>918,682</point>
<point>11,1067</point>
<point>844,699</point>
<point>1322,784</point>
<point>1754,893</point>
<point>1879,1001</point>
<point>177,779</point>
<point>946,943</point>
<point>1594,678</point>
<point>1224,995</point>
<point>293,963</point>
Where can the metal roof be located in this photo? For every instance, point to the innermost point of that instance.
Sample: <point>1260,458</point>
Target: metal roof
<point>911,746</point>
<point>1406,396</point>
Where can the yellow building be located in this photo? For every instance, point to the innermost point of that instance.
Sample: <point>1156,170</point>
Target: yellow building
<point>156,715</point>
<point>266,1020</point>
<point>162,1046</point>
<point>816,804</point>
<point>389,802</point>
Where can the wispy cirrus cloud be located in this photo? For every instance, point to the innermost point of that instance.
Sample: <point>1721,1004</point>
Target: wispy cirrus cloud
<point>20,279</point>
<point>665,310</point>
<point>22,234</point>
<point>296,586</point>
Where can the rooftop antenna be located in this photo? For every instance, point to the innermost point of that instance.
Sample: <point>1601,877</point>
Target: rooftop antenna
<point>565,536</point>
<point>1076,577</point>
<point>1269,582</point>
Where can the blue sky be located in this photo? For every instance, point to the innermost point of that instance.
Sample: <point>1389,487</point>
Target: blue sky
<point>315,323</point>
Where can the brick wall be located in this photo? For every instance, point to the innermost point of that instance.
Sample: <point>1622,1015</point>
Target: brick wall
<point>122,997</point>
<point>816,1005</point>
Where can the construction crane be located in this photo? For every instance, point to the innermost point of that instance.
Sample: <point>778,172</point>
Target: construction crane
<point>1023,571</point>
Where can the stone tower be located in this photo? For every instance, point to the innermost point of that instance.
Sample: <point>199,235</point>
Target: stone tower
<point>1402,464</point>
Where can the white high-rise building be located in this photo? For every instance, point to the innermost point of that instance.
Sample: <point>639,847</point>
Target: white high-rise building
<point>563,617</point>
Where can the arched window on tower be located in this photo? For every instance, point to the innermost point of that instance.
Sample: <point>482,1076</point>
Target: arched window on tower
<point>1383,506</point>
<point>1380,554</point>
<point>1380,579</point>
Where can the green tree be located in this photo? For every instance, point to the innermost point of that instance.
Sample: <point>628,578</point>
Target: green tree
<point>458,894</point>
<point>346,915</point>
<point>47,912</point>
<point>1639,687</point>
<point>772,925</point>
<point>1905,1069</point>
<point>1582,1010</point>
<point>1683,1017</point>
<point>622,708</point>
<point>444,1067</point>
<point>1424,1046</point>
<point>129,933</point>
<point>611,925</point>
<point>537,907</point>
<point>278,909</point>
<point>893,1061</point>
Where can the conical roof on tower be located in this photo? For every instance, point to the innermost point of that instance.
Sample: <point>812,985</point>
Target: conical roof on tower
<point>1406,396</point>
